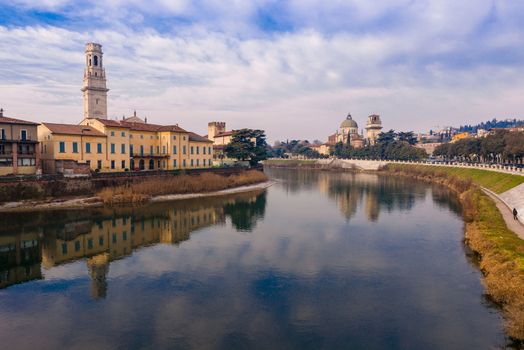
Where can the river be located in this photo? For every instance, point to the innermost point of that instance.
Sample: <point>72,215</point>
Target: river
<point>320,260</point>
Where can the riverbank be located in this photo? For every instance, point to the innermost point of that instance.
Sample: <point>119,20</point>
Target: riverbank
<point>176,188</point>
<point>500,251</point>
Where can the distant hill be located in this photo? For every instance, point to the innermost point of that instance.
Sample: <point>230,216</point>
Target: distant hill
<point>494,123</point>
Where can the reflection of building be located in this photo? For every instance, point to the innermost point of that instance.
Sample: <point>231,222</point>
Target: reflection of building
<point>20,257</point>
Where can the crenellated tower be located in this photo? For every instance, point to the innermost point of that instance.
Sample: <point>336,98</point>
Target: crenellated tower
<point>94,88</point>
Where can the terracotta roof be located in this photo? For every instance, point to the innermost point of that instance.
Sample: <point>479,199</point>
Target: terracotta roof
<point>141,126</point>
<point>198,138</point>
<point>16,121</point>
<point>171,128</point>
<point>71,129</point>
<point>225,133</point>
<point>109,122</point>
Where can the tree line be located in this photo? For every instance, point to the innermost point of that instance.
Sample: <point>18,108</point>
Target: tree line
<point>501,146</point>
<point>390,145</point>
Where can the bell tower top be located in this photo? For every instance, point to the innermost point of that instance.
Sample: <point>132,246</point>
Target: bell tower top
<point>94,87</point>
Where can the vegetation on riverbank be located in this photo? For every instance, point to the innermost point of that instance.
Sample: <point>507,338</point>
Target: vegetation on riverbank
<point>494,181</point>
<point>182,184</point>
<point>500,251</point>
<point>290,163</point>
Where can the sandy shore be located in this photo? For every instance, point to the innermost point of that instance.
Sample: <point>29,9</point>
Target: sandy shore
<point>94,202</point>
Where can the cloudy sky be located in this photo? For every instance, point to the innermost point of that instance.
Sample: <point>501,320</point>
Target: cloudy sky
<point>292,67</point>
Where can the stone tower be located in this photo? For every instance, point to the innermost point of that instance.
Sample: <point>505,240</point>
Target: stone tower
<point>94,89</point>
<point>215,128</point>
<point>373,128</point>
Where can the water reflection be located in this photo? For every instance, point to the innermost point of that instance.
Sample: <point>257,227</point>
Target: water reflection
<point>335,261</point>
<point>350,190</point>
<point>103,236</point>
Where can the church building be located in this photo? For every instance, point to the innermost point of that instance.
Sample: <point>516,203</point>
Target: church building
<point>101,144</point>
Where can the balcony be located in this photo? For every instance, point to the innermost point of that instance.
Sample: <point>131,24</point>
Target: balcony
<point>149,155</point>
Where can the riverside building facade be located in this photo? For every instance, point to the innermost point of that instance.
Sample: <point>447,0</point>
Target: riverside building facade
<point>105,145</point>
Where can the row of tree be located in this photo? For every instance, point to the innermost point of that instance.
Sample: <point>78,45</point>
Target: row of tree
<point>500,146</point>
<point>492,124</point>
<point>390,145</point>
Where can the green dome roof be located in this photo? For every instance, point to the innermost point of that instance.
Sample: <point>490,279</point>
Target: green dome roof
<point>349,123</point>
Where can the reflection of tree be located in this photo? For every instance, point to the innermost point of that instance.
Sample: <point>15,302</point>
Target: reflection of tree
<point>244,213</point>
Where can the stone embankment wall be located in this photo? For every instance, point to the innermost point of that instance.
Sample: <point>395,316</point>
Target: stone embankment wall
<point>55,186</point>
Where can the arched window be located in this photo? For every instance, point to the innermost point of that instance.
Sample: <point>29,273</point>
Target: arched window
<point>151,164</point>
<point>89,62</point>
<point>96,60</point>
<point>141,164</point>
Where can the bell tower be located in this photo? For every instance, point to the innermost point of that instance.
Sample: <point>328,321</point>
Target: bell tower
<point>94,88</point>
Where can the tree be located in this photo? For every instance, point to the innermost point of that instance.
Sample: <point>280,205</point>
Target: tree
<point>248,145</point>
<point>408,137</point>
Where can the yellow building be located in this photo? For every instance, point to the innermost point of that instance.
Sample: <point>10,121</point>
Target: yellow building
<point>18,146</point>
<point>72,149</point>
<point>460,136</point>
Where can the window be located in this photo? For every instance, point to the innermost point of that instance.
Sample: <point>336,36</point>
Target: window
<point>174,137</point>
<point>209,149</point>
<point>204,150</point>
<point>77,246</point>
<point>198,150</point>
<point>100,240</point>
<point>112,164</point>
<point>99,148</point>
<point>62,147</point>
<point>23,134</point>
<point>183,149</point>
<point>123,134</point>
<point>174,149</point>
<point>130,136</point>
<point>26,162</point>
<point>64,248</point>
<point>124,236</point>
<point>97,98</point>
<point>141,136</point>
<point>192,150</point>
<point>123,164</point>
<point>88,147</point>
<point>2,134</point>
<point>95,60</point>
<point>75,147</point>
<point>184,163</point>
<point>90,243</point>
<point>123,148</point>
<point>142,150</point>
<point>158,164</point>
<point>151,150</point>
<point>174,163</point>
<point>114,237</point>
<point>184,138</point>
<point>112,148</point>
<point>163,149</point>
<point>131,149</point>
<point>157,149</point>
<point>192,163</point>
<point>112,133</point>
<point>99,164</point>
<point>198,162</point>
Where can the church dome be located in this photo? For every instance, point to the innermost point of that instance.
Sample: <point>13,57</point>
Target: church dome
<point>348,123</point>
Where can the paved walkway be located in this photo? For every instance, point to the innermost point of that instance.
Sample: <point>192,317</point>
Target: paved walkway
<point>513,225</point>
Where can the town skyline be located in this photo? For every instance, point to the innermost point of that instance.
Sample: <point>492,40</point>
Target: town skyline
<point>270,66</point>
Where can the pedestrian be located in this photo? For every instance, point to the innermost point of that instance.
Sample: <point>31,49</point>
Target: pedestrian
<point>515,213</point>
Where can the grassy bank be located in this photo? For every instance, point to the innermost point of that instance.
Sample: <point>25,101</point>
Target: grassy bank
<point>500,251</point>
<point>496,182</point>
<point>181,184</point>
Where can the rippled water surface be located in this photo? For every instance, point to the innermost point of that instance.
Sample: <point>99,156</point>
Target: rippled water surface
<point>319,260</point>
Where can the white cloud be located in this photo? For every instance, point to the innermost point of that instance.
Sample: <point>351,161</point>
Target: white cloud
<point>436,68</point>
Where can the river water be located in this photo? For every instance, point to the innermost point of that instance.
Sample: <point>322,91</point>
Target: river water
<point>318,261</point>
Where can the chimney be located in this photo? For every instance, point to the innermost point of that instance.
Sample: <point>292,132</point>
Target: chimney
<point>145,120</point>
<point>1,112</point>
<point>134,113</point>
